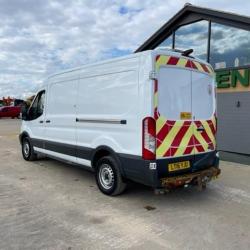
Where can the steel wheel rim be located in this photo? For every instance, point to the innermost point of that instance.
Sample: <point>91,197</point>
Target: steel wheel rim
<point>106,176</point>
<point>26,148</point>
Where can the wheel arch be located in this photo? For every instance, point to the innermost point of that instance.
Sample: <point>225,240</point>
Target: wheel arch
<point>23,135</point>
<point>103,151</point>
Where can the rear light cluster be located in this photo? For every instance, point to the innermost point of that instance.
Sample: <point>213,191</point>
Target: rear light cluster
<point>148,138</point>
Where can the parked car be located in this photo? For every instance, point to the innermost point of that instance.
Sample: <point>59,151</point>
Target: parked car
<point>10,111</point>
<point>147,117</point>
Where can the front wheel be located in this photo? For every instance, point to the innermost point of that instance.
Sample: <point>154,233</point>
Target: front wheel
<point>27,150</point>
<point>108,177</point>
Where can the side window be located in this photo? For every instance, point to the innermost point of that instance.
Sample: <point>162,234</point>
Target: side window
<point>40,104</point>
<point>37,108</point>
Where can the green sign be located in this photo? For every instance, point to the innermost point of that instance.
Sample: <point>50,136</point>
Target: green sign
<point>232,78</point>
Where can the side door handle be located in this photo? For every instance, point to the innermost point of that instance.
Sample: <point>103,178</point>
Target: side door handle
<point>47,121</point>
<point>41,121</point>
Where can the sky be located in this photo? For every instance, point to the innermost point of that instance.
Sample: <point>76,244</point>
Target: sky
<point>41,37</point>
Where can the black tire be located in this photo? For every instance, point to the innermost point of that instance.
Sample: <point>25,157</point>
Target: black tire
<point>27,150</point>
<point>113,184</point>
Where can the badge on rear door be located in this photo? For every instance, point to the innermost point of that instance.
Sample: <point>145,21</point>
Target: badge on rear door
<point>185,115</point>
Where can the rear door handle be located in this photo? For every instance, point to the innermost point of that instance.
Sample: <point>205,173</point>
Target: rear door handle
<point>40,121</point>
<point>200,129</point>
<point>47,121</point>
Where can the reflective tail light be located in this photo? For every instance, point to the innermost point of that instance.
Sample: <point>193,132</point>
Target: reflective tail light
<point>148,138</point>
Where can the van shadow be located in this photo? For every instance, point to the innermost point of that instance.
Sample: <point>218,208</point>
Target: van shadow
<point>180,198</point>
<point>136,193</point>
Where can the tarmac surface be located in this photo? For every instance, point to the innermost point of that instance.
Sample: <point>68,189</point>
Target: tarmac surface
<point>51,205</point>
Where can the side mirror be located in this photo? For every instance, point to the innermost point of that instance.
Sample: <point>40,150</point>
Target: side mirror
<point>24,112</point>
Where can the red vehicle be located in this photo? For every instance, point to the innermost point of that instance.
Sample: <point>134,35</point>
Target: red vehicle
<point>10,111</point>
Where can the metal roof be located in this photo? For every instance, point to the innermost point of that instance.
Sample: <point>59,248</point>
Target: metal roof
<point>189,14</point>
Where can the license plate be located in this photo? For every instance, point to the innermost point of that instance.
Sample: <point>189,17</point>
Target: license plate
<point>178,166</point>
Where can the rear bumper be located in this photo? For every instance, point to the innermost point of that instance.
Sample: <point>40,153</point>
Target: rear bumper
<point>155,173</point>
<point>199,178</point>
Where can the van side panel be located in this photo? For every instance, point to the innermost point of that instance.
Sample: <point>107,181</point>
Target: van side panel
<point>107,107</point>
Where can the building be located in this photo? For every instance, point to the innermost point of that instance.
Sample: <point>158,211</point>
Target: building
<point>222,39</point>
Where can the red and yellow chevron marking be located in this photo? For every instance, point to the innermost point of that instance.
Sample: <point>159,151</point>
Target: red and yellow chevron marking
<point>183,63</point>
<point>180,138</point>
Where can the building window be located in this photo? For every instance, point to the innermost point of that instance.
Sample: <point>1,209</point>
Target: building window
<point>230,47</point>
<point>167,43</point>
<point>193,36</point>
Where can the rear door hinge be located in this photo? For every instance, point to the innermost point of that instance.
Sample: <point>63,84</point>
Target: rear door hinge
<point>152,75</point>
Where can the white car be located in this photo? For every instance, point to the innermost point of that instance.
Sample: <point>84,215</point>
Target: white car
<point>148,117</point>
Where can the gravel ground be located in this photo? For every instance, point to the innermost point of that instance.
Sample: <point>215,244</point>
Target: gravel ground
<point>51,205</point>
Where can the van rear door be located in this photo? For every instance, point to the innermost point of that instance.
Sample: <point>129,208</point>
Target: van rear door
<point>184,107</point>
<point>203,111</point>
<point>174,125</point>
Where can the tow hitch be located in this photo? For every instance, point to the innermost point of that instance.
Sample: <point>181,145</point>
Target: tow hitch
<point>199,179</point>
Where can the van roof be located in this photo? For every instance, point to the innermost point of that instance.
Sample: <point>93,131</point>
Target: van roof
<point>102,62</point>
<point>160,50</point>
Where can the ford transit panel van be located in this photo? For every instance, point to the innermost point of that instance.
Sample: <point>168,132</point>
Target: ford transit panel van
<point>149,117</point>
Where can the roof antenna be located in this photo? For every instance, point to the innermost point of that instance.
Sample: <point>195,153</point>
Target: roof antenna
<point>187,52</point>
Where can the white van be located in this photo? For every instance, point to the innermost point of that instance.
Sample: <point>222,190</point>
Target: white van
<point>148,117</point>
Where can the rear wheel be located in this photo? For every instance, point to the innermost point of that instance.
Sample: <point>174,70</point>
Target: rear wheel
<point>27,150</point>
<point>108,177</point>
